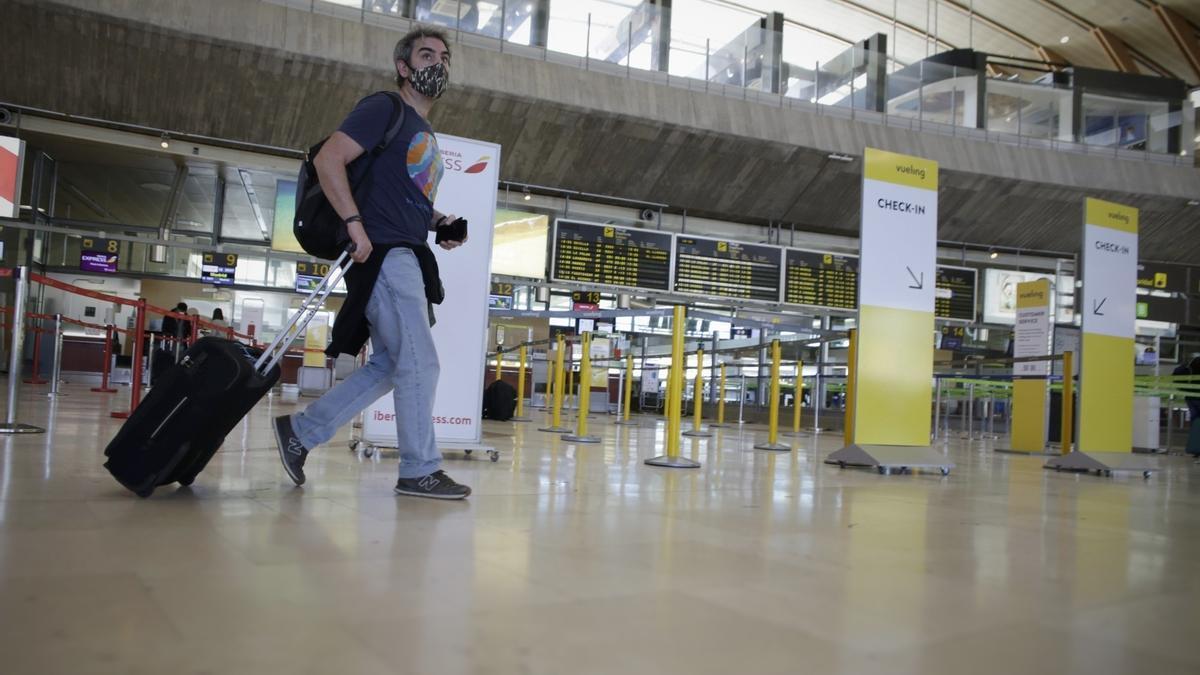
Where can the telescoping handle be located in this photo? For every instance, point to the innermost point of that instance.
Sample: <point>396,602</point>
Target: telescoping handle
<point>273,354</point>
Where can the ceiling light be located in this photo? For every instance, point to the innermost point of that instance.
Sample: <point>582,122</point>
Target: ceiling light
<point>166,141</point>
<point>155,187</point>
<point>526,194</point>
<point>840,157</point>
<point>993,255</point>
<point>1193,202</point>
<point>1064,39</point>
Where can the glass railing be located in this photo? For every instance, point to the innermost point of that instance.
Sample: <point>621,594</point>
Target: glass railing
<point>734,58</point>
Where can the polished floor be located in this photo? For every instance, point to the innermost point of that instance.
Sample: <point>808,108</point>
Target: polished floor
<point>579,559</point>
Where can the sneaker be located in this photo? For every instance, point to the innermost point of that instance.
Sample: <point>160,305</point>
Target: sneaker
<point>291,451</point>
<point>436,485</point>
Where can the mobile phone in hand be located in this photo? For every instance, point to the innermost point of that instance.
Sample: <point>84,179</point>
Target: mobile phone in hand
<point>455,231</point>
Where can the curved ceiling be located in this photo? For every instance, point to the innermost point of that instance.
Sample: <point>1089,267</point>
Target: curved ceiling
<point>1017,28</point>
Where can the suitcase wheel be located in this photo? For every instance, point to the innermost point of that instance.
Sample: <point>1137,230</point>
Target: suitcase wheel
<point>145,493</point>
<point>187,481</point>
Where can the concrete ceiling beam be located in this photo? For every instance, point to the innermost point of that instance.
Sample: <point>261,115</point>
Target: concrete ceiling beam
<point>1116,50</point>
<point>1182,33</point>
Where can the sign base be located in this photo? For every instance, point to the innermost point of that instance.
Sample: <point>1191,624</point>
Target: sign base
<point>18,428</point>
<point>1081,462</point>
<point>889,458</point>
<point>628,423</point>
<point>519,419</point>
<point>556,430</point>
<point>1028,453</point>
<point>774,447</point>
<point>572,438</point>
<point>673,462</point>
<point>698,433</point>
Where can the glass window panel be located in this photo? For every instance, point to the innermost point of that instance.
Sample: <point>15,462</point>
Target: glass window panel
<point>251,270</point>
<point>249,205</point>
<point>569,28</point>
<point>519,244</point>
<point>197,201</point>
<point>699,27</point>
<point>115,193</point>
<point>559,302</point>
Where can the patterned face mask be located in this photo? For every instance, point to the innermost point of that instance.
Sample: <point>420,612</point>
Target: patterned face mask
<point>430,81</point>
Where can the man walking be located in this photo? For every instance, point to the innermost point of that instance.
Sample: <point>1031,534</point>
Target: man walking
<point>395,280</point>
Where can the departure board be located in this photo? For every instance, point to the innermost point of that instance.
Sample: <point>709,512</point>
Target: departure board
<point>821,279</point>
<point>716,267</point>
<point>615,256</point>
<point>955,293</point>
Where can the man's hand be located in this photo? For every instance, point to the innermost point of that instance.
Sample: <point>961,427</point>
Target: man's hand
<point>362,244</point>
<point>450,245</point>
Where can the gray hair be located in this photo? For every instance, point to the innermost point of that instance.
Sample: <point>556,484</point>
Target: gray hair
<point>404,46</point>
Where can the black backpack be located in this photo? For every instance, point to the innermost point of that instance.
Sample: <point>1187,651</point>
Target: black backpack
<point>499,401</point>
<point>317,226</point>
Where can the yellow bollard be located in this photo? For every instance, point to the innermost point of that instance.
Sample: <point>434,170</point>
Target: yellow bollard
<point>798,398</point>
<point>550,384</point>
<point>585,395</point>
<point>773,413</point>
<point>627,403</point>
<point>520,416</point>
<point>571,378</point>
<point>851,376</point>
<point>675,388</point>
<point>698,399</point>
<point>1068,403</point>
<point>556,409</point>
<point>720,400</point>
<point>666,393</point>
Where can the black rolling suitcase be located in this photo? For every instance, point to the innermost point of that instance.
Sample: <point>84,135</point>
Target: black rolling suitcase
<point>180,424</point>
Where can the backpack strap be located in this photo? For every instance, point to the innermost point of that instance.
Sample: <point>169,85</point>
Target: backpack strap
<point>397,125</point>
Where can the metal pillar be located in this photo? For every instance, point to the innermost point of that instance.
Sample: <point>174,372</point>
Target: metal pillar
<point>56,368</point>
<point>15,357</point>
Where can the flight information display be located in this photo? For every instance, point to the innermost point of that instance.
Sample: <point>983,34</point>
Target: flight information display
<point>615,256</point>
<point>820,279</point>
<point>219,269</point>
<point>730,269</point>
<point>955,293</point>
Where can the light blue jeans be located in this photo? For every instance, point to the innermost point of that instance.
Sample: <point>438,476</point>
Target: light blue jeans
<point>404,361</point>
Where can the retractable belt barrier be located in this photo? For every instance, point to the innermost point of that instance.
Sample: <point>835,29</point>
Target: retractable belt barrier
<point>138,333</point>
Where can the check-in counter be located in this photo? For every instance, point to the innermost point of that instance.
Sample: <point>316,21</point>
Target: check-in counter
<point>82,352</point>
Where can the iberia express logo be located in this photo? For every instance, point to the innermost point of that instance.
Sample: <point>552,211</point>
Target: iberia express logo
<point>454,161</point>
<point>479,165</point>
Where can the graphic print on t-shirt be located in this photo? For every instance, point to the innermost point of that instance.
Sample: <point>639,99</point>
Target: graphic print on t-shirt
<point>425,164</point>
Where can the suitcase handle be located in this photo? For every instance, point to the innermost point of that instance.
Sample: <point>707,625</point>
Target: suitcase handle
<point>273,354</point>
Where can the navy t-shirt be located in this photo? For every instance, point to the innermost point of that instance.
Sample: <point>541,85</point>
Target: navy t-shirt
<point>403,181</point>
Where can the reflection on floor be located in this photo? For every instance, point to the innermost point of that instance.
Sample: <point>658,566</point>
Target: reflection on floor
<point>580,559</point>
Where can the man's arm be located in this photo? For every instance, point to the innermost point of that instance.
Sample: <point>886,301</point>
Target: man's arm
<point>331,164</point>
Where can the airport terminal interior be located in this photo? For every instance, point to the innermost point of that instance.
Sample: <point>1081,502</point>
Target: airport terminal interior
<point>821,336</point>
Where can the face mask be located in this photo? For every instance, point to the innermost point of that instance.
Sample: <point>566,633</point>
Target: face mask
<point>430,81</point>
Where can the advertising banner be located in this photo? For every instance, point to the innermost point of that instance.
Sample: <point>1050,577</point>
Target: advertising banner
<point>12,153</point>
<point>467,189</point>
<point>1032,338</point>
<point>897,278</point>
<point>1109,307</point>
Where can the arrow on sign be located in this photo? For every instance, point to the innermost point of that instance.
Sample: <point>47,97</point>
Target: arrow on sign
<point>920,282</point>
<point>1097,305</point>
